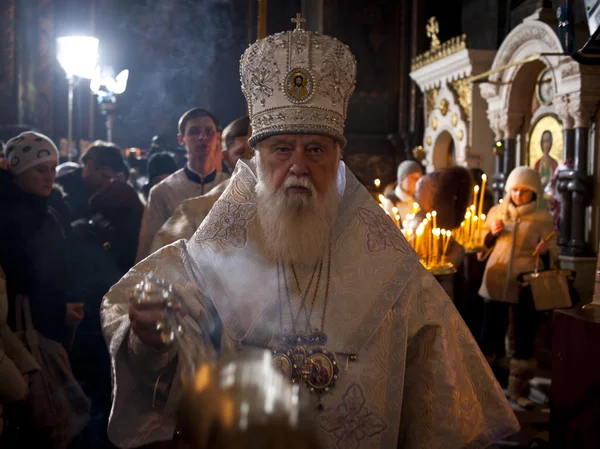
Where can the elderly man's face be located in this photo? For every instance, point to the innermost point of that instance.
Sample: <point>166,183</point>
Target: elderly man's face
<point>296,195</point>
<point>310,159</point>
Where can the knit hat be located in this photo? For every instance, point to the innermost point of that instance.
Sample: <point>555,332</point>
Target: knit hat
<point>27,150</point>
<point>407,168</point>
<point>524,177</point>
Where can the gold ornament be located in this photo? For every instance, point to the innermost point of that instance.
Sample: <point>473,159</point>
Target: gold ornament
<point>464,92</point>
<point>434,54</point>
<point>444,107</point>
<point>431,97</point>
<point>433,29</point>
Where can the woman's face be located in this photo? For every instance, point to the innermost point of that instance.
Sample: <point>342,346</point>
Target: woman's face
<point>521,196</point>
<point>38,179</point>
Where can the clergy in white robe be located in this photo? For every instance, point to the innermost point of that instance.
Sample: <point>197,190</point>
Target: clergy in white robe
<point>297,257</point>
<point>186,218</point>
<point>198,134</point>
<point>190,213</point>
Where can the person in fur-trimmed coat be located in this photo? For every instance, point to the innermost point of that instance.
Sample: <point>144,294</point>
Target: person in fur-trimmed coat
<point>513,231</point>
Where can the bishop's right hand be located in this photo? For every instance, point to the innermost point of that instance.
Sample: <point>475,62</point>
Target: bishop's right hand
<point>149,305</point>
<point>145,318</point>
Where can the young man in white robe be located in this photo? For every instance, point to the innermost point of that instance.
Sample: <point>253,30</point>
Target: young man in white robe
<point>320,271</point>
<point>191,212</point>
<point>199,135</point>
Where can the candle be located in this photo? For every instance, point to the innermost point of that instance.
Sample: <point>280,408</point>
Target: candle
<point>483,181</point>
<point>448,236</point>
<point>467,228</point>
<point>434,215</point>
<point>419,240</point>
<point>475,192</point>
<point>377,182</point>
<point>429,250</point>
<point>415,208</point>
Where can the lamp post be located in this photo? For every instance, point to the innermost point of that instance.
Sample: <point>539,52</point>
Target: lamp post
<point>106,86</point>
<point>77,55</point>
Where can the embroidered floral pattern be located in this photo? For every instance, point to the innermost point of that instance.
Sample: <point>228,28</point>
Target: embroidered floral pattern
<point>351,422</point>
<point>381,232</point>
<point>337,70</point>
<point>299,46</point>
<point>227,223</point>
<point>261,77</point>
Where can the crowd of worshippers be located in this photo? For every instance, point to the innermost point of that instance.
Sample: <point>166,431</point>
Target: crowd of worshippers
<point>69,231</point>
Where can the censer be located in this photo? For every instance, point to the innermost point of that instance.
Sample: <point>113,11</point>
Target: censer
<point>233,401</point>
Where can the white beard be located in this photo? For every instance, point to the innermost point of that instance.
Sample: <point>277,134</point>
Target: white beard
<point>297,227</point>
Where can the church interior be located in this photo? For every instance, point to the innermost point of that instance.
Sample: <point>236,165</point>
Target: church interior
<point>468,90</point>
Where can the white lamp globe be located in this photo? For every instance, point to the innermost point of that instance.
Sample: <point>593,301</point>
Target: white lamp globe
<point>77,55</point>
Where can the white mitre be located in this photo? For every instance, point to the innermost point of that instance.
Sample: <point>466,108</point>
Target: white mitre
<point>297,82</point>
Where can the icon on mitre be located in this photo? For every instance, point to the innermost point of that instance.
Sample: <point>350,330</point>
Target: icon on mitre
<point>298,86</point>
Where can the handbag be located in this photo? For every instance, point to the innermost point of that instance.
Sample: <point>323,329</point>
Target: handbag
<point>58,407</point>
<point>551,289</point>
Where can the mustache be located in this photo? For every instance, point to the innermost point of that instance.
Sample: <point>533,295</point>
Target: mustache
<point>297,181</point>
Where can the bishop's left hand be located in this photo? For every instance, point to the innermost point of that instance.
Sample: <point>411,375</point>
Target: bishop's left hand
<point>542,247</point>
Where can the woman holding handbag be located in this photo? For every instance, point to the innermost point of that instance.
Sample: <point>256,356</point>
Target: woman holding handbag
<point>43,309</point>
<point>515,233</point>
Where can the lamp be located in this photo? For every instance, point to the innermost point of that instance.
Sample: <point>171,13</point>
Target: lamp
<point>77,55</point>
<point>106,86</point>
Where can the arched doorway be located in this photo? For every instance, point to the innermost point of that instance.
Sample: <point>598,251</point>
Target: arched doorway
<point>444,151</point>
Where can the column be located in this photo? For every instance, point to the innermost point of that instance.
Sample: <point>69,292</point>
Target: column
<point>312,10</point>
<point>26,51</point>
<point>510,155</point>
<point>417,39</point>
<point>565,176</point>
<point>568,143</point>
<point>579,184</point>
<point>511,123</point>
<point>8,112</point>
<point>579,194</point>
<point>498,178</point>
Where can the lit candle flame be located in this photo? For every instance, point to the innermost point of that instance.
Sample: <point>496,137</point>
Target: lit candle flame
<point>377,182</point>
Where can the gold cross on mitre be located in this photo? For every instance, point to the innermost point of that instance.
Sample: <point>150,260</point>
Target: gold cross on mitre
<point>433,29</point>
<point>298,20</point>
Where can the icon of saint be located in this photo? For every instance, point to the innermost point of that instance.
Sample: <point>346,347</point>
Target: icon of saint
<point>546,165</point>
<point>298,88</point>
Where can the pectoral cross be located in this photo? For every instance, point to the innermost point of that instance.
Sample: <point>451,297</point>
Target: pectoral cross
<point>298,20</point>
<point>433,28</point>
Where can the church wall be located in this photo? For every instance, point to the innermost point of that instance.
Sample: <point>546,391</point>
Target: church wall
<point>377,113</point>
<point>482,31</point>
<point>482,137</point>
